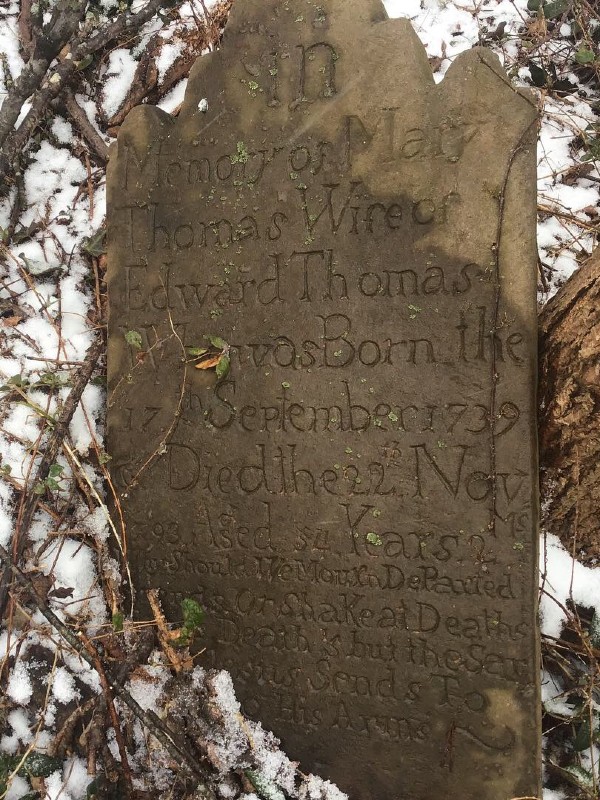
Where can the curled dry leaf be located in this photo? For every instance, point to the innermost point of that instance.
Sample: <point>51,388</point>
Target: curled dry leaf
<point>11,315</point>
<point>209,361</point>
<point>214,357</point>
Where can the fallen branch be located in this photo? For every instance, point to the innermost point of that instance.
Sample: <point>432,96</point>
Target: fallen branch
<point>62,26</point>
<point>44,86</point>
<point>85,127</point>
<point>112,712</point>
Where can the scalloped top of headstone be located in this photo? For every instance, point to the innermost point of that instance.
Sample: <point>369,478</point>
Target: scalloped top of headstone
<point>299,66</point>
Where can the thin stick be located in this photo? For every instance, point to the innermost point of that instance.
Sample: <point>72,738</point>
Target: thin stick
<point>112,712</point>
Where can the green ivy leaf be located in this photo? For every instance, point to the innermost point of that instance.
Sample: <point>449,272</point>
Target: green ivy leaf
<point>85,62</point>
<point>195,352</point>
<point>578,776</point>
<point>539,76</point>
<point>584,56</point>
<point>556,9</point>
<point>595,630</point>
<point>95,245</point>
<point>583,738</point>
<point>40,765</point>
<point>222,368</point>
<point>217,342</point>
<point>55,470</point>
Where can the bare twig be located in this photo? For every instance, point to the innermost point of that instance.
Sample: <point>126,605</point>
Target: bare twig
<point>25,24</point>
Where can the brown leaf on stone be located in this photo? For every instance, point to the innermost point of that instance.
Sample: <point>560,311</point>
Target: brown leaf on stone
<point>209,362</point>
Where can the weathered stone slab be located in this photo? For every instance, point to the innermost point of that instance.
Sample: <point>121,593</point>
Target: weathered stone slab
<point>355,502</point>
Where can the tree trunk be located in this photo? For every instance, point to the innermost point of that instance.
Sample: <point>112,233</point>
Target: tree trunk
<point>570,413</point>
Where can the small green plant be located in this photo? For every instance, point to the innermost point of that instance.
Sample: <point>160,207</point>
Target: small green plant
<point>34,765</point>
<point>265,788</point>
<point>591,142</point>
<point>134,339</point>
<point>50,483</point>
<point>193,617</point>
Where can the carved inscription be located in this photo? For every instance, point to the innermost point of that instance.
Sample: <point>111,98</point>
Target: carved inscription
<point>354,502</point>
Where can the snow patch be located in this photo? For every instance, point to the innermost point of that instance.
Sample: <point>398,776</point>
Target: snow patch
<point>169,54</point>
<point>118,79</point>
<point>564,580</point>
<point>19,687</point>
<point>63,686</point>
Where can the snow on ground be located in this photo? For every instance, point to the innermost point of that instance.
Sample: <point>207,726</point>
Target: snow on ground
<point>49,277</point>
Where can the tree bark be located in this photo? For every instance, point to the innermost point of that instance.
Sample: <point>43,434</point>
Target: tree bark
<point>570,412</point>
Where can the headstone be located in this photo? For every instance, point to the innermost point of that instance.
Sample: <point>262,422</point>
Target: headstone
<point>354,502</point>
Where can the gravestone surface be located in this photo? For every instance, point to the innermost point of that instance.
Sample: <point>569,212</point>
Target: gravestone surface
<point>354,502</point>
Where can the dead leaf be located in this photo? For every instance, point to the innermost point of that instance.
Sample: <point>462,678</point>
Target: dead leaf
<point>577,171</point>
<point>435,62</point>
<point>209,361</point>
<point>10,316</point>
<point>537,28</point>
<point>140,673</point>
<point>61,592</point>
<point>591,211</point>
